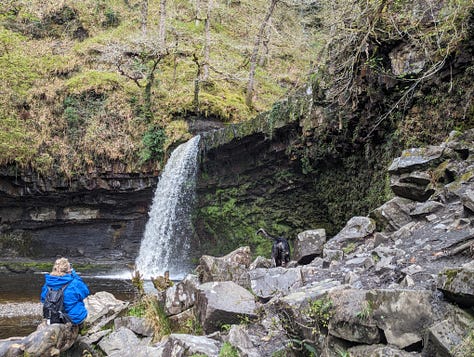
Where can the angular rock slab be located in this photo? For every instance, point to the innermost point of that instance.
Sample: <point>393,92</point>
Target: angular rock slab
<point>266,283</point>
<point>293,308</point>
<point>181,296</point>
<point>403,315</point>
<point>120,341</point>
<point>378,351</point>
<point>414,186</point>
<point>394,214</point>
<point>138,325</point>
<point>308,245</point>
<point>231,267</point>
<point>102,304</point>
<point>446,338</point>
<point>458,285</point>
<point>352,317</point>
<point>220,303</point>
<point>178,345</point>
<point>416,159</point>
<point>355,230</point>
<point>47,340</point>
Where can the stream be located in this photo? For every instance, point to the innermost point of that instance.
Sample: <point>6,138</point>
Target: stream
<point>20,308</point>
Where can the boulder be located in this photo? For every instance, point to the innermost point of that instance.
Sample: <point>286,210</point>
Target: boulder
<point>181,296</point>
<point>413,185</point>
<point>354,233</point>
<point>184,321</point>
<point>416,159</point>
<point>293,308</point>
<point>447,337</point>
<point>47,340</point>
<point>180,345</point>
<point>261,262</point>
<point>394,214</point>
<point>239,337</point>
<point>403,315</point>
<point>426,208</point>
<point>457,284</point>
<point>220,303</point>
<point>378,351</point>
<point>123,342</point>
<point>352,318</point>
<point>265,283</point>
<point>140,326</point>
<point>231,267</point>
<point>102,308</point>
<point>308,245</point>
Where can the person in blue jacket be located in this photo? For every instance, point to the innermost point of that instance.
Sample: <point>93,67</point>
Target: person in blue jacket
<point>75,292</point>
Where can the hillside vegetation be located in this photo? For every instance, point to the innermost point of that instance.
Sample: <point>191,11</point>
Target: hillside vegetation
<point>89,84</point>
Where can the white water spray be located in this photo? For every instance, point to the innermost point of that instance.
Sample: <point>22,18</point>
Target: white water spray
<point>167,239</point>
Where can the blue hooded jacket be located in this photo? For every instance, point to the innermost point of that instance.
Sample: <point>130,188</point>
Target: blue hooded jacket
<point>74,294</point>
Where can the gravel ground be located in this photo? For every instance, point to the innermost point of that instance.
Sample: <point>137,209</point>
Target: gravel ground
<point>20,309</point>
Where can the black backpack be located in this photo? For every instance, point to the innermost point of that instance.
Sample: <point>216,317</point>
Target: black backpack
<point>53,308</point>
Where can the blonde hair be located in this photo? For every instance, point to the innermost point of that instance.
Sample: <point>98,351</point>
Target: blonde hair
<point>61,267</point>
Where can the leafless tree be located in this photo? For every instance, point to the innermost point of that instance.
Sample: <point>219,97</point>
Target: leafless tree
<point>144,16</point>
<point>162,25</point>
<point>207,41</point>
<point>254,56</point>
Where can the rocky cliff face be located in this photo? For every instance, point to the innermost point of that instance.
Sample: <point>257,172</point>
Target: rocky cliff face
<point>91,218</point>
<point>399,282</point>
<point>254,175</point>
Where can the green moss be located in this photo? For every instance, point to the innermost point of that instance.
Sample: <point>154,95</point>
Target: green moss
<point>94,81</point>
<point>228,350</point>
<point>450,275</point>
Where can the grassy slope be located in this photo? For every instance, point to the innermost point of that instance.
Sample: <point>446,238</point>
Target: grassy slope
<point>66,108</point>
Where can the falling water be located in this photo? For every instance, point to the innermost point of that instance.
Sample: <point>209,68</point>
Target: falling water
<point>166,241</point>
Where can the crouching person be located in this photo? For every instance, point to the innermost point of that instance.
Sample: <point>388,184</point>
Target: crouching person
<point>63,295</point>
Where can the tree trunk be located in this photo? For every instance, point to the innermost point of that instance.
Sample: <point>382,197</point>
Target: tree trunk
<point>207,43</point>
<point>162,26</point>
<point>198,5</point>
<point>144,16</point>
<point>254,57</point>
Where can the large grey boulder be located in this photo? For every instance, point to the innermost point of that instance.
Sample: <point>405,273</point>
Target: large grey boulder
<point>118,341</point>
<point>239,337</point>
<point>458,284</point>
<point>413,185</point>
<point>102,308</point>
<point>181,296</point>
<point>124,343</point>
<point>266,283</point>
<point>403,315</point>
<point>139,325</point>
<point>353,233</point>
<point>180,345</point>
<point>293,309</point>
<point>379,351</point>
<point>394,214</point>
<point>308,245</point>
<point>47,340</point>
<point>417,159</point>
<point>220,303</point>
<point>231,267</point>
<point>446,338</point>
<point>352,318</point>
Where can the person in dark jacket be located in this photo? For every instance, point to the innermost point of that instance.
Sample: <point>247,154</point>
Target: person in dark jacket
<point>75,292</point>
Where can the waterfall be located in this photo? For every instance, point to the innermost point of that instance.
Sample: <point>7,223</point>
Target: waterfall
<point>167,238</point>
